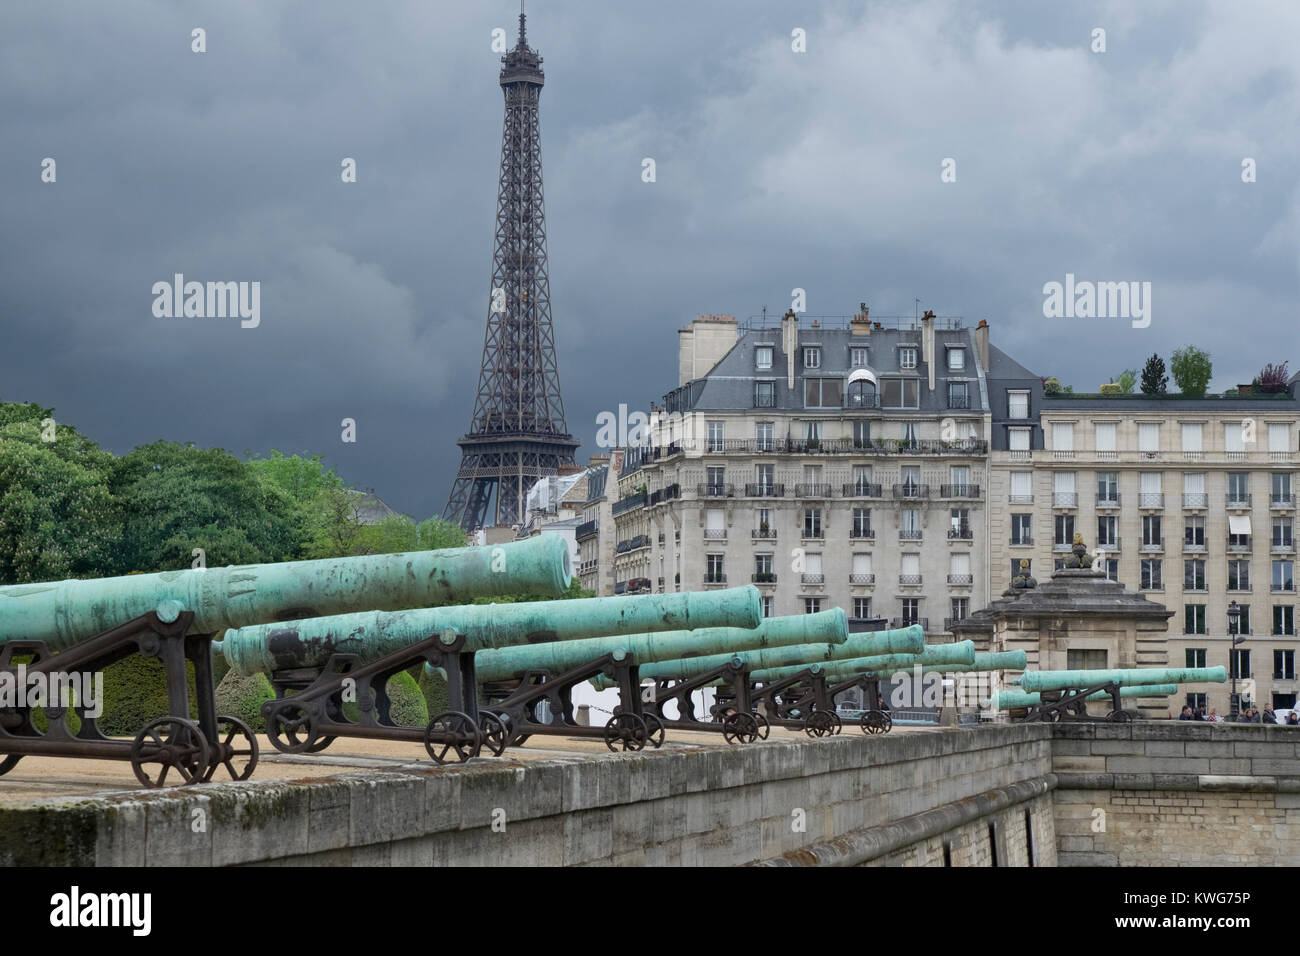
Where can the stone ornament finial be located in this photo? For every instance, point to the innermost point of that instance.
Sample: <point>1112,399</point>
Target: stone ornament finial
<point>1079,557</point>
<point>1024,579</point>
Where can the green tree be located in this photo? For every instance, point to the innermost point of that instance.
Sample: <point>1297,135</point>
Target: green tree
<point>325,506</point>
<point>58,518</point>
<point>1127,381</point>
<point>1154,379</point>
<point>177,498</point>
<point>1192,369</point>
<point>434,533</point>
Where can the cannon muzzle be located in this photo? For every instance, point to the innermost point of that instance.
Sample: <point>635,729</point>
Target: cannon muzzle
<point>64,612</point>
<point>1065,680</point>
<point>1011,699</point>
<point>269,647</point>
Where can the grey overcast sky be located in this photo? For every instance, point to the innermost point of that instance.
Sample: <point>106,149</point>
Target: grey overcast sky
<point>775,170</point>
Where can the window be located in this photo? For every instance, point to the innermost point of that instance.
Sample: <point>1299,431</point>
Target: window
<point>1239,663</point>
<point>1192,438</point>
<point>959,523</point>
<point>1063,530</point>
<point>1108,486</point>
<point>765,394</point>
<point>960,608</point>
<point>861,566</point>
<point>765,520</point>
<point>1152,531</point>
<point>767,605</point>
<point>1238,575</point>
<point>861,433</point>
<point>1281,533</point>
<point>911,475</point>
<point>1063,436</point>
<point>812,522</point>
<point>907,356</point>
<point>1239,486</point>
<point>717,479</point>
<point>1284,619</point>
<point>858,356</point>
<point>763,357</point>
<point>911,610</point>
<point>1021,530</point>
<point>1283,575</point>
<point>763,436</point>
<point>1104,436</point>
<point>1111,567</point>
<point>713,573</point>
<point>823,392</point>
<point>1194,657</point>
<point>1281,489</point>
<point>1243,623</point>
<point>765,478</point>
<point>911,523</point>
<point>1234,437</point>
<point>956,359</point>
<point>1107,531</point>
<point>812,431</point>
<point>812,605</point>
<point>862,608</point>
<point>1017,404</point>
<point>1194,575</point>
<point>715,523</point>
<point>1197,701</point>
<point>1063,494</point>
<point>1018,439</point>
<point>958,395</point>
<point>959,568</point>
<point>862,394</point>
<point>1148,437</point>
<point>861,523</point>
<point>812,357</point>
<point>902,393</point>
<point>1021,487</point>
<point>1151,574</point>
<point>763,567</point>
<point>715,436</point>
<point>1194,490</point>
<point>907,432</point>
<point>1149,494</point>
<point>1283,665</point>
<point>1085,660</point>
<point>1194,619</point>
<point>1017,570</point>
<point>861,479</point>
<point>1058,564</point>
<point>1279,437</point>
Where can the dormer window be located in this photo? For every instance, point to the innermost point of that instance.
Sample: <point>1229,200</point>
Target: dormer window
<point>763,357</point>
<point>907,356</point>
<point>956,360</point>
<point>812,356</point>
<point>858,357</point>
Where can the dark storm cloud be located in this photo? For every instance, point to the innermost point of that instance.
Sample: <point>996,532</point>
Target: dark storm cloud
<point>775,170</point>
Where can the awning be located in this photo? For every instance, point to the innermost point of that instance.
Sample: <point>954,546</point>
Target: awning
<point>1238,524</point>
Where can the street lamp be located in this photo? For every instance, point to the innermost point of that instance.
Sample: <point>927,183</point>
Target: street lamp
<point>1234,620</point>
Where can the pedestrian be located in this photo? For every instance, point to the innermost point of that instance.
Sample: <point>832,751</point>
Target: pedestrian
<point>1269,716</point>
<point>1293,718</point>
<point>1187,713</point>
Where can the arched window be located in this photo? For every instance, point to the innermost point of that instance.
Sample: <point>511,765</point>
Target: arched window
<point>862,394</point>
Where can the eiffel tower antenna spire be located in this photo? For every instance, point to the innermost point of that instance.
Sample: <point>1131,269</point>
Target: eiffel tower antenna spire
<point>517,434</point>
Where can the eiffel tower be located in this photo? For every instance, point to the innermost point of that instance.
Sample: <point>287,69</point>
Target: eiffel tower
<point>517,434</point>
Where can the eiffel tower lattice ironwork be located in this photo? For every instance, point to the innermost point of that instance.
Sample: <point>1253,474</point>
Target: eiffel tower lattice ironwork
<point>517,434</point>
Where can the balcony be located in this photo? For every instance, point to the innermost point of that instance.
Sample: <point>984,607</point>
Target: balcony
<point>961,580</point>
<point>638,586</point>
<point>767,534</point>
<point>1147,454</point>
<point>812,580</point>
<point>715,490</point>
<point>1193,546</point>
<point>628,503</point>
<point>924,622</point>
<point>763,577</point>
<point>586,530</point>
<point>1065,499</point>
<point>1151,500</point>
<point>1110,545</point>
<point>962,533</point>
<point>1283,547</point>
<point>910,580</point>
<point>1196,502</point>
<point>638,542</point>
<point>1238,547</point>
<point>1062,547</point>
<point>1284,502</point>
<point>909,534</point>
<point>1108,501</point>
<point>959,491</point>
<point>1152,546</point>
<point>1283,587</point>
<point>1020,499</point>
<point>716,578</point>
<point>813,490</point>
<point>911,490</point>
<point>1193,455</point>
<point>1020,454</point>
<point>664,495</point>
<point>948,623</point>
<point>861,489</point>
<point>1106,455</point>
<point>1237,502</point>
<point>862,578</point>
<point>862,534</point>
<point>1063,454</point>
<point>1024,541</point>
<point>959,401</point>
<point>765,490</point>
<point>813,534</point>
<point>715,534</point>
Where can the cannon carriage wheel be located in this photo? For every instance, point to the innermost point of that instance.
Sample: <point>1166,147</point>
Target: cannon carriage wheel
<point>740,728</point>
<point>626,732</point>
<point>876,722</point>
<point>172,744</point>
<point>764,728</point>
<point>819,723</point>
<point>452,736</point>
<point>289,728</point>
<point>8,763</point>
<point>654,730</point>
<point>1121,716</point>
<point>239,759</point>
<point>495,732</point>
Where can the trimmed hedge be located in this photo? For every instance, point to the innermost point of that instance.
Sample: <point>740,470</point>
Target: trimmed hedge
<point>242,697</point>
<point>135,692</point>
<point>408,706</point>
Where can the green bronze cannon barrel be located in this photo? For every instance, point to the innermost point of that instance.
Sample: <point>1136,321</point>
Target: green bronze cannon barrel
<point>935,655</point>
<point>1010,699</point>
<point>816,648</point>
<point>1064,680</point>
<point>508,663</point>
<point>309,643</point>
<point>65,612</point>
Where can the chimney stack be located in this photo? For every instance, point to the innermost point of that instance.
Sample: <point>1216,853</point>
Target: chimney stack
<point>860,324</point>
<point>927,344</point>
<point>789,344</point>
<point>982,343</point>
